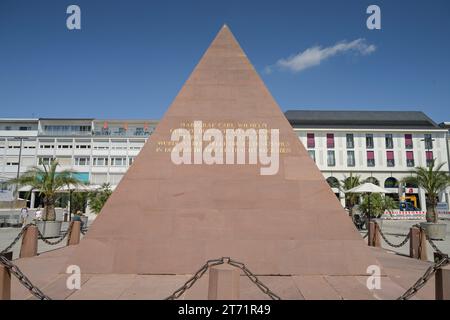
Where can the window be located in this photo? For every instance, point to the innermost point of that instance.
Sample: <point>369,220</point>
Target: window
<point>408,141</point>
<point>409,159</point>
<point>350,141</point>
<point>428,141</point>
<point>310,140</point>
<point>390,158</point>
<point>139,132</point>
<point>130,161</point>
<point>351,158</point>
<point>331,161</point>
<point>389,141</point>
<point>100,161</point>
<point>370,159</point>
<point>369,141</point>
<point>119,161</point>
<point>12,163</point>
<point>81,161</point>
<point>330,140</point>
<point>64,146</point>
<point>83,146</point>
<point>429,156</point>
<point>122,131</point>
<point>44,160</point>
<point>24,128</point>
<point>312,154</point>
<point>46,146</point>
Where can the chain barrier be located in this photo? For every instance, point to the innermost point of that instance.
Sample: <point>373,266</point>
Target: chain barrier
<point>52,243</point>
<point>12,268</point>
<point>429,273</point>
<point>401,244</point>
<point>254,279</point>
<point>424,279</point>
<point>216,262</point>
<point>16,239</point>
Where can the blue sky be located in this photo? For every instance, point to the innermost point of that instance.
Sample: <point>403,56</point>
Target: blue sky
<point>131,57</point>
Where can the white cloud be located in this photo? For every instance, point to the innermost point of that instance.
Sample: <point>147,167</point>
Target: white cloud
<point>315,55</point>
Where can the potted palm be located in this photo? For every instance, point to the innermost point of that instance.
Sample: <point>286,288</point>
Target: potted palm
<point>433,181</point>
<point>47,181</point>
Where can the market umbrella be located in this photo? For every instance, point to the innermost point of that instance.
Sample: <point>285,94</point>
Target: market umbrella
<point>367,188</point>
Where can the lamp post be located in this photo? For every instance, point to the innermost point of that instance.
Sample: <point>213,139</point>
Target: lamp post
<point>18,164</point>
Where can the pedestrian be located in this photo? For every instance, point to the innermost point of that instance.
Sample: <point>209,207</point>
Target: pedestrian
<point>38,215</point>
<point>23,215</point>
<point>77,217</point>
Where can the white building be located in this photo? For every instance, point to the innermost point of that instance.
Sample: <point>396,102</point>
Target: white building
<point>99,150</point>
<point>381,146</point>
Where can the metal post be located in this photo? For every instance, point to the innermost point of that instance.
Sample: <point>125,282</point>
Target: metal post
<point>18,166</point>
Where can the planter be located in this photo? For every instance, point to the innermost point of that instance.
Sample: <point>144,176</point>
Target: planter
<point>435,231</point>
<point>49,229</point>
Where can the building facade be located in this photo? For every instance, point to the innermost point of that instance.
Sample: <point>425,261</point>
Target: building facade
<point>381,146</point>
<point>99,150</point>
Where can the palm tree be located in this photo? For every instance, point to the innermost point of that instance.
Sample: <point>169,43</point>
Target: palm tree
<point>48,182</point>
<point>348,183</point>
<point>433,181</point>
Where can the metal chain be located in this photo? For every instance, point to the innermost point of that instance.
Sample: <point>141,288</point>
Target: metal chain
<point>254,279</point>
<point>424,279</point>
<point>52,243</point>
<point>194,278</point>
<point>23,279</point>
<point>215,262</point>
<point>17,238</point>
<point>401,244</point>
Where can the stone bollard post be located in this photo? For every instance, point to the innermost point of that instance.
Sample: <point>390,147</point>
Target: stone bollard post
<point>418,244</point>
<point>374,240</point>
<point>223,282</point>
<point>442,283</point>
<point>74,237</point>
<point>29,242</point>
<point>5,280</point>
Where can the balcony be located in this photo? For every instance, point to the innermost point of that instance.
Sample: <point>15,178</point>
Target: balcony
<point>122,133</point>
<point>58,133</point>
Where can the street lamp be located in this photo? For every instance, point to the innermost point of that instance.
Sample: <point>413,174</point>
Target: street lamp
<point>18,164</point>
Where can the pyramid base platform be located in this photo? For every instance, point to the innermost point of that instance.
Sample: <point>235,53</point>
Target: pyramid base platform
<point>44,271</point>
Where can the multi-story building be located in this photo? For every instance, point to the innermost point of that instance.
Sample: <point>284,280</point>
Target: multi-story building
<point>446,125</point>
<point>99,150</point>
<point>382,147</point>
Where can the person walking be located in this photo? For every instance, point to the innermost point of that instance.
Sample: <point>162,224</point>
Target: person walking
<point>23,215</point>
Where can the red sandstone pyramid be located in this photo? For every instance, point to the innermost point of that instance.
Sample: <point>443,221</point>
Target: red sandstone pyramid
<point>169,219</point>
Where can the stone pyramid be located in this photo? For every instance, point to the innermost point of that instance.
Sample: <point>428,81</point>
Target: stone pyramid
<point>165,218</point>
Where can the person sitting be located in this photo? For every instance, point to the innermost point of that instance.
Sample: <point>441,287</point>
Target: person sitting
<point>77,217</point>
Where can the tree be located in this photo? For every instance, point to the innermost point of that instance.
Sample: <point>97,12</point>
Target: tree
<point>351,199</point>
<point>433,181</point>
<point>378,204</point>
<point>48,182</point>
<point>97,199</point>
